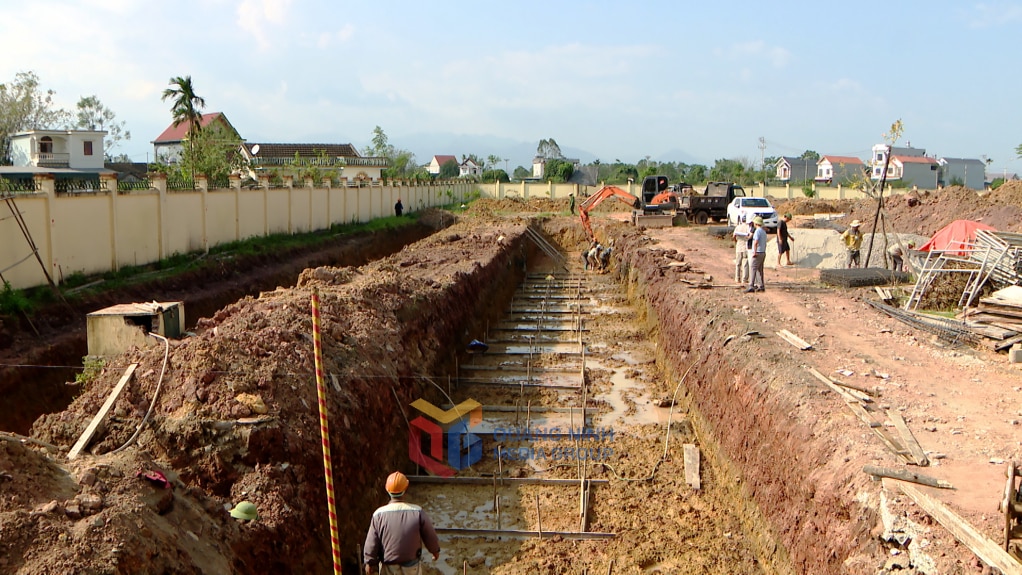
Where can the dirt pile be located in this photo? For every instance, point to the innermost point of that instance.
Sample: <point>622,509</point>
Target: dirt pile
<point>236,419</point>
<point>925,212</point>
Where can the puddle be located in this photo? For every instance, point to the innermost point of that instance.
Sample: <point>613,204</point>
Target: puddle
<point>625,392</point>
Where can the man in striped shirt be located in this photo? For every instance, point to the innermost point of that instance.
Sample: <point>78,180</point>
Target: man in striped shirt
<point>397,533</point>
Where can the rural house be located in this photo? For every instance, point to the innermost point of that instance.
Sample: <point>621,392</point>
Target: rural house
<point>469,168</point>
<point>69,155</point>
<point>970,173</point>
<point>434,165</point>
<point>169,146</point>
<point>839,170</point>
<point>317,161</point>
<point>790,169</point>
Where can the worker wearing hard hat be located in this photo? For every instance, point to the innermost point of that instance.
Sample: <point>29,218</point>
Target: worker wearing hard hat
<point>397,533</point>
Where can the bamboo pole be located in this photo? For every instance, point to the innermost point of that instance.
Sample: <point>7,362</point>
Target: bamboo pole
<point>324,432</point>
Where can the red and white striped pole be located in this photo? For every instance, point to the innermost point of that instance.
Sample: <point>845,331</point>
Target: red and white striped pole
<point>324,432</point>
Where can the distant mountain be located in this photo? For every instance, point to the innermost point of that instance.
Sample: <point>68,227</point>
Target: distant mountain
<point>517,152</point>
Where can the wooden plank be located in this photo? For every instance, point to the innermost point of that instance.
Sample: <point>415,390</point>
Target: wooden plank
<point>906,475</point>
<point>988,551</point>
<point>909,439</point>
<point>795,340</point>
<point>878,429</point>
<point>1005,344</point>
<point>692,466</point>
<point>848,392</point>
<point>86,436</point>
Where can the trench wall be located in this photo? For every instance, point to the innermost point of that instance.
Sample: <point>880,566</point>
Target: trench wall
<point>747,424</point>
<point>369,421</point>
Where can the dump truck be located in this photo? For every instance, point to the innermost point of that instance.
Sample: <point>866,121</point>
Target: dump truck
<point>711,203</point>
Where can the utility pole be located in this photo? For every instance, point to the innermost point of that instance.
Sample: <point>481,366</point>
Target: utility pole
<point>762,148</point>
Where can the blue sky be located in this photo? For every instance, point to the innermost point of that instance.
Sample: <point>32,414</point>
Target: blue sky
<point>672,80</point>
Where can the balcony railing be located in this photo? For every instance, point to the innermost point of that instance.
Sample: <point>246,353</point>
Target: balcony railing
<point>51,159</point>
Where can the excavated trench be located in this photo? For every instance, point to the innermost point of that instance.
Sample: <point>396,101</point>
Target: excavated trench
<point>396,331</point>
<point>37,384</point>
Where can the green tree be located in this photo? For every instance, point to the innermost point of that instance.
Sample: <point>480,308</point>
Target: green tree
<point>493,162</point>
<point>380,146</point>
<point>186,106</point>
<point>549,149</point>
<point>91,114</point>
<point>727,171</point>
<point>521,173</point>
<point>810,155</point>
<point>558,171</point>
<point>498,175</point>
<point>449,169</point>
<point>25,106</point>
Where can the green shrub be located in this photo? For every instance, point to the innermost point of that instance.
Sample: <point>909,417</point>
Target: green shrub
<point>92,366</point>
<point>13,301</point>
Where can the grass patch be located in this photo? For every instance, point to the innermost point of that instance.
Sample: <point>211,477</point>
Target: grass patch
<point>16,300</point>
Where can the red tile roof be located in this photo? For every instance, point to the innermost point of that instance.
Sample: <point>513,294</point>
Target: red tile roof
<point>177,133</point>
<point>843,160</point>
<point>441,160</point>
<point>303,150</point>
<point>914,159</point>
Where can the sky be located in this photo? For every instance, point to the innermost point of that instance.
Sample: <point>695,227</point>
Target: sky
<point>671,80</point>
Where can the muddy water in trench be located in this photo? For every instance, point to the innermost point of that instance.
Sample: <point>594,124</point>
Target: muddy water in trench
<point>529,382</point>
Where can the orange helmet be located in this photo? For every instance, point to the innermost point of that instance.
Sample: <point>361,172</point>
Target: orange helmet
<point>397,483</point>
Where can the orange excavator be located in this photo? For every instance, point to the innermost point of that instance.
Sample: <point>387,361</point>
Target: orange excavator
<point>662,201</point>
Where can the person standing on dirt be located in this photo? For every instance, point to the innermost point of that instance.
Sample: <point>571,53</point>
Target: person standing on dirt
<point>571,203</point>
<point>605,256</point>
<point>397,533</point>
<point>741,236</point>
<point>757,257</point>
<point>399,208</point>
<point>783,240</point>
<point>593,257</point>
<point>853,243</point>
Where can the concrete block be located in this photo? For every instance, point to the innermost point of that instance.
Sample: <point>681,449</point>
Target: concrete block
<point>1015,354</point>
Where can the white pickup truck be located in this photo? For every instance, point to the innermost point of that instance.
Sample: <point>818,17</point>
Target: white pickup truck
<point>750,208</point>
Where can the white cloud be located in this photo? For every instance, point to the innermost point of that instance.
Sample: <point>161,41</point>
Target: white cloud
<point>756,50</point>
<point>256,17</point>
<point>996,14</point>
<point>328,39</point>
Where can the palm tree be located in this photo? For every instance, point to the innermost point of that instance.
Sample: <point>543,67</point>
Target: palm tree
<point>186,107</point>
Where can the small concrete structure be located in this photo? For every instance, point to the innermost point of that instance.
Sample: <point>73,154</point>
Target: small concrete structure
<point>118,328</point>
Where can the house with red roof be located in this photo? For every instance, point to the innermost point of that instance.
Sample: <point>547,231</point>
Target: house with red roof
<point>169,145</point>
<point>434,165</point>
<point>908,164</point>
<point>840,170</point>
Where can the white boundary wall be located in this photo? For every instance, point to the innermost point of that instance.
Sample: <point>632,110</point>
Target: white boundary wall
<point>100,231</point>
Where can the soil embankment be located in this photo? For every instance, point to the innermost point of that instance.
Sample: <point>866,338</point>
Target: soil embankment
<point>43,364</point>
<point>236,420</point>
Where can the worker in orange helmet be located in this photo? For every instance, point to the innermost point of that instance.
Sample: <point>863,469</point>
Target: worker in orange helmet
<point>397,533</point>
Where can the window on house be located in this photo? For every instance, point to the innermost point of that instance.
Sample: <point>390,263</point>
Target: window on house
<point>46,145</point>
<point>88,147</point>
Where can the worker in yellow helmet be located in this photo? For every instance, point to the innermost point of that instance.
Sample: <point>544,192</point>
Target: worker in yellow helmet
<point>397,533</point>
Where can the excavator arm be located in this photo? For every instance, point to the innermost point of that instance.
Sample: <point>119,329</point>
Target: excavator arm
<point>597,199</point>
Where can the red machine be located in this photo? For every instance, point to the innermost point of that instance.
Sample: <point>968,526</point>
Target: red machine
<point>661,200</point>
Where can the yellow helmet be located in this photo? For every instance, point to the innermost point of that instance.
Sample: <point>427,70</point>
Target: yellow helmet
<point>245,510</point>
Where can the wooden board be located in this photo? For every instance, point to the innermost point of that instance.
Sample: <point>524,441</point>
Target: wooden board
<point>692,465</point>
<point>991,553</point>
<point>795,340</point>
<point>908,439</point>
<point>86,437</point>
